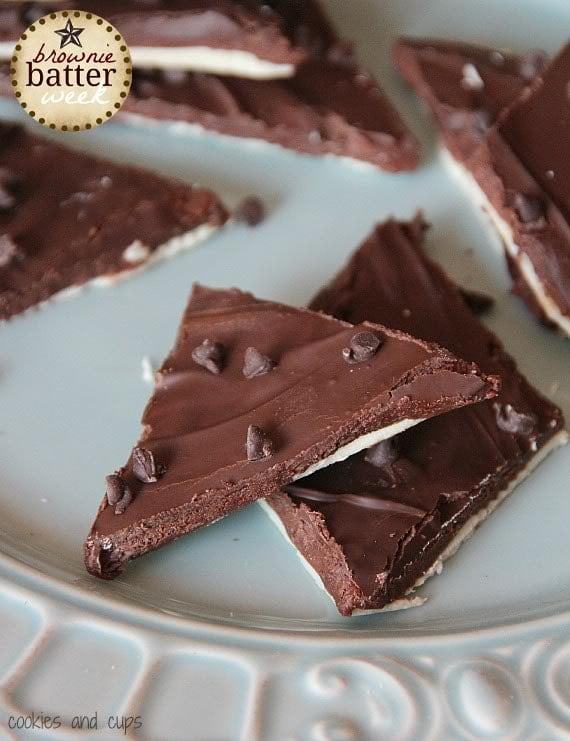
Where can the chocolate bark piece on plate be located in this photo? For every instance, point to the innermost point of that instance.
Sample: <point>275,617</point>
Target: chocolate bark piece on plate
<point>464,86</point>
<point>67,219</point>
<point>507,137</point>
<point>521,175</point>
<point>375,526</point>
<point>244,38</point>
<point>329,107</point>
<point>218,436</point>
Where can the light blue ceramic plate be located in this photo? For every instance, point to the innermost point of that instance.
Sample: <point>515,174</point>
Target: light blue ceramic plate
<point>223,635</point>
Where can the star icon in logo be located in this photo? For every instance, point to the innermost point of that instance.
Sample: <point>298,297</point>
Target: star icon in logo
<point>69,35</point>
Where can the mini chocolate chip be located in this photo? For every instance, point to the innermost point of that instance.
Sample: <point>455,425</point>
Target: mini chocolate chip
<point>363,346</point>
<point>509,420</point>
<point>115,488</point>
<point>532,63</point>
<point>478,302</point>
<point>145,467</point>
<point>9,250</point>
<point>258,444</point>
<point>210,355</point>
<point>529,208</point>
<point>382,454</point>
<point>250,211</point>
<point>256,364</point>
<point>124,502</point>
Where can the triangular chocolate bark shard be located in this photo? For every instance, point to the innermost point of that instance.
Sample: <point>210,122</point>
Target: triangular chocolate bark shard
<point>68,218</point>
<point>221,440</point>
<point>504,119</point>
<point>376,525</point>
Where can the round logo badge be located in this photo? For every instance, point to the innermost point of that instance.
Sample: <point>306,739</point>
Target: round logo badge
<point>71,70</point>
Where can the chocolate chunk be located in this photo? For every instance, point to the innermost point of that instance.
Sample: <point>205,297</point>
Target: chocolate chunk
<point>124,502</point>
<point>258,444</point>
<point>115,488</point>
<point>509,420</point>
<point>363,346</point>
<point>210,355</point>
<point>145,467</point>
<point>529,208</point>
<point>9,250</point>
<point>532,63</point>
<point>385,453</point>
<point>256,364</point>
<point>250,211</point>
<point>478,302</point>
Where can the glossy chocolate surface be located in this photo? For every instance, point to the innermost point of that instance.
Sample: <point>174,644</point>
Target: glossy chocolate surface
<point>384,526</point>
<point>311,403</point>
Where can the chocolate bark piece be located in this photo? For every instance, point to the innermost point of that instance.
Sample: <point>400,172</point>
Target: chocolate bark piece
<point>378,524</point>
<point>225,440</point>
<point>244,38</point>
<point>331,105</point>
<point>327,108</point>
<point>514,169</point>
<point>75,219</point>
<point>521,172</point>
<point>464,86</point>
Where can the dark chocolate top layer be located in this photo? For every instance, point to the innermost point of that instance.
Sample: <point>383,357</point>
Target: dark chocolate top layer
<point>323,384</point>
<point>524,167</point>
<point>249,25</point>
<point>330,106</point>
<point>70,217</point>
<point>521,163</point>
<point>537,129</point>
<point>465,86</point>
<point>385,514</point>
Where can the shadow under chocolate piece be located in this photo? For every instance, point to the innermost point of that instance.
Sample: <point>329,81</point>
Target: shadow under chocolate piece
<point>375,526</point>
<point>254,395</point>
<point>68,219</point>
